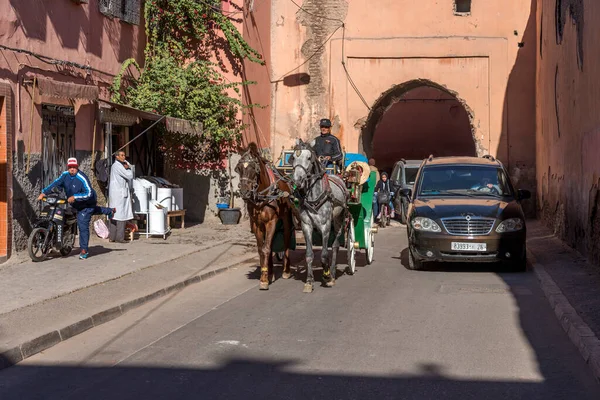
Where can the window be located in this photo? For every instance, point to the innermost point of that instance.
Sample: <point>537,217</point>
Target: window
<point>464,180</point>
<point>462,6</point>
<point>411,175</point>
<point>125,10</point>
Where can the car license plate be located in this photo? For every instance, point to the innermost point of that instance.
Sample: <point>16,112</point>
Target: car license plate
<point>469,246</point>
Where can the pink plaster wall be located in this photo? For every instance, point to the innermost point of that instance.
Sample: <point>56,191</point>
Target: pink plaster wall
<point>256,30</point>
<point>63,30</point>
<point>568,123</point>
<point>476,57</point>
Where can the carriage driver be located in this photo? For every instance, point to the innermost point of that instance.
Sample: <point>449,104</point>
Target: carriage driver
<point>327,146</point>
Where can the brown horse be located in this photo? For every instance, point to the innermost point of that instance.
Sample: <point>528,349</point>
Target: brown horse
<point>266,197</point>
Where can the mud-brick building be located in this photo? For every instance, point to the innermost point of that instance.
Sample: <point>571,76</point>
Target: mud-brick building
<point>57,59</point>
<point>399,78</point>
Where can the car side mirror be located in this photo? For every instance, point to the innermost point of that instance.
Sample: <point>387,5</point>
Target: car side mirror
<point>406,192</point>
<point>524,194</point>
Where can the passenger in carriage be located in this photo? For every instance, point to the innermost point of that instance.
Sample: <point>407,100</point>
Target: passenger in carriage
<point>328,146</point>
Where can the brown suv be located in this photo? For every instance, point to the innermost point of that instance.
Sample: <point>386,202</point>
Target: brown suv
<point>465,209</point>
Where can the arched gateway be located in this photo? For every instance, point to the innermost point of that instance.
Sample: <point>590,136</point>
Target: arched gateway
<point>415,119</point>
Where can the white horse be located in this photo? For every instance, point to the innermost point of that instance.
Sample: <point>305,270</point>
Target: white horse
<point>323,200</point>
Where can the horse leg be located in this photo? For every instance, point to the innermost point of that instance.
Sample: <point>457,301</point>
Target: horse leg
<point>310,278</point>
<point>328,279</point>
<point>270,232</point>
<point>264,269</point>
<point>287,233</point>
<point>339,224</point>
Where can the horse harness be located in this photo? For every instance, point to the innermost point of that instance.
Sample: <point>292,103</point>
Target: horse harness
<point>270,193</point>
<point>325,196</point>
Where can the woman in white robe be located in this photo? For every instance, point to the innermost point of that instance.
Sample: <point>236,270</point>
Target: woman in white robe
<point>119,197</point>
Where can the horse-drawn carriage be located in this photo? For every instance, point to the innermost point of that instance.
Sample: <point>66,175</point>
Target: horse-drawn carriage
<point>328,204</point>
<point>360,183</point>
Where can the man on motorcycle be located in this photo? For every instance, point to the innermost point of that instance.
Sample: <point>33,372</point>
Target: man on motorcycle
<point>82,197</point>
<point>327,146</point>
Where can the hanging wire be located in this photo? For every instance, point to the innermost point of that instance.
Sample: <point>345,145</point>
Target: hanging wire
<point>343,26</point>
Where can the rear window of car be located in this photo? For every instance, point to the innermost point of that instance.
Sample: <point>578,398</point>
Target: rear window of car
<point>464,180</point>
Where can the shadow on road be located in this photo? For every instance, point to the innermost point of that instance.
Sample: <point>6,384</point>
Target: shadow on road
<point>258,379</point>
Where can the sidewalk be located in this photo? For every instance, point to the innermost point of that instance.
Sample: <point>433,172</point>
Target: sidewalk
<point>44,303</point>
<point>572,287</point>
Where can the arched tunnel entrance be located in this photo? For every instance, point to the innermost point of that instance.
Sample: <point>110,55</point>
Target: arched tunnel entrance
<point>414,120</point>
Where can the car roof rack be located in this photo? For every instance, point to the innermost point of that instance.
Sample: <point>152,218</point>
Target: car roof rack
<point>489,157</point>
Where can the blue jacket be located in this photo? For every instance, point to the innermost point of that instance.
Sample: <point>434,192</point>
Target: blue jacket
<point>78,186</point>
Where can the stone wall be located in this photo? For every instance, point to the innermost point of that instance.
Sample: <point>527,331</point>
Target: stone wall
<point>28,186</point>
<point>202,188</point>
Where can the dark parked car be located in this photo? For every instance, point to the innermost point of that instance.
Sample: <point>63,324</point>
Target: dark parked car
<point>465,209</point>
<point>403,177</point>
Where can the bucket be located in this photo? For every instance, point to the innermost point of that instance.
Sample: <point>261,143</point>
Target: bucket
<point>157,218</point>
<point>230,216</point>
<point>177,199</point>
<point>164,197</point>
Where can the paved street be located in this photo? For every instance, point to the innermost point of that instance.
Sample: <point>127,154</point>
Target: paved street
<point>386,333</point>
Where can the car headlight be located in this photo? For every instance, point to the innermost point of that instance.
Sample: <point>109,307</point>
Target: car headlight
<point>510,225</point>
<point>425,224</point>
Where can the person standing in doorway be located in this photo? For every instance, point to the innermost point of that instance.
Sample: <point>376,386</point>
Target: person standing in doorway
<point>121,177</point>
<point>82,197</point>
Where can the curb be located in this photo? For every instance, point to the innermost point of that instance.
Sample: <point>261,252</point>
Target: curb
<point>27,349</point>
<point>578,331</point>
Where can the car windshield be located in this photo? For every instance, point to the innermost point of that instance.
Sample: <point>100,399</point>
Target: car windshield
<point>411,175</point>
<point>464,180</point>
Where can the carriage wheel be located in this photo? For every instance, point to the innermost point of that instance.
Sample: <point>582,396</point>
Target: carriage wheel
<point>350,239</point>
<point>370,241</point>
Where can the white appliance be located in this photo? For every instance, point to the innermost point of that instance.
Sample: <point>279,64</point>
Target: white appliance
<point>141,196</point>
<point>164,196</point>
<point>177,199</point>
<point>157,219</point>
<point>152,187</point>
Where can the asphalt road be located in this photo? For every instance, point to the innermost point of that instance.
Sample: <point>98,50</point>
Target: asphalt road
<point>455,331</point>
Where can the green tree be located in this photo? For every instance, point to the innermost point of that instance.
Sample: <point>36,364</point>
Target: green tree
<point>177,80</point>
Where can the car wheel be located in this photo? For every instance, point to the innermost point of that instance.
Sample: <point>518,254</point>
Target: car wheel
<point>413,263</point>
<point>403,212</point>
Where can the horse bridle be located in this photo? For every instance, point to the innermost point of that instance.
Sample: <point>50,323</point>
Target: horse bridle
<point>252,183</point>
<point>265,196</point>
<point>310,176</point>
<point>311,180</point>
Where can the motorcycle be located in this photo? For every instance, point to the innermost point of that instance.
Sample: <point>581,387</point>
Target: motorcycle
<point>54,229</point>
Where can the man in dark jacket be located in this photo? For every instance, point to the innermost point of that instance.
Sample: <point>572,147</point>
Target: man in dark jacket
<point>82,197</point>
<point>326,145</point>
